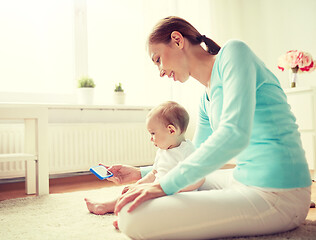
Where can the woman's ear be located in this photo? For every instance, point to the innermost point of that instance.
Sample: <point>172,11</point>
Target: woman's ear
<point>172,129</point>
<point>177,38</point>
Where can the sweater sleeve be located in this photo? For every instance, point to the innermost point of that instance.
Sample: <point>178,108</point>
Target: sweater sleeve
<point>237,71</point>
<point>203,129</point>
<point>145,170</point>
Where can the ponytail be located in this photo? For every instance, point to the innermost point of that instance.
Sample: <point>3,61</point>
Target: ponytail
<point>212,47</point>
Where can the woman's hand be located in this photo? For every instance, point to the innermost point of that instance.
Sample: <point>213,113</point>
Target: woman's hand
<point>125,189</point>
<point>123,174</point>
<point>137,194</point>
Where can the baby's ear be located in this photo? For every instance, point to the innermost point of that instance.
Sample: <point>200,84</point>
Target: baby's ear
<point>172,129</point>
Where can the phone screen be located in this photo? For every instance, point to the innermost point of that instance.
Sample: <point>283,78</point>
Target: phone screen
<point>102,171</point>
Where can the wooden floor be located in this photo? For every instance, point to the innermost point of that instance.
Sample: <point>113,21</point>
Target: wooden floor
<point>57,185</point>
<point>82,183</point>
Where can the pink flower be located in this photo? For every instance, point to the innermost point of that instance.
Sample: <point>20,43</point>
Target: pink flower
<point>310,67</point>
<point>300,61</point>
<point>281,68</point>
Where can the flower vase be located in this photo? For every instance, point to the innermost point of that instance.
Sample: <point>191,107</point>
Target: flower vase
<point>293,77</point>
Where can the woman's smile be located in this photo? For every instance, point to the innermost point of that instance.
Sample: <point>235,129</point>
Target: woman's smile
<point>172,75</point>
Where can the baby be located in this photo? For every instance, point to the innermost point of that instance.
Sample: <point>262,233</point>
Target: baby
<point>167,124</point>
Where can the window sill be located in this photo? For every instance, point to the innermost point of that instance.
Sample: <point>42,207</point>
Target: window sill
<point>72,113</point>
<point>76,106</point>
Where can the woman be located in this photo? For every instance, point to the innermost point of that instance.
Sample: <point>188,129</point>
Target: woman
<point>243,115</point>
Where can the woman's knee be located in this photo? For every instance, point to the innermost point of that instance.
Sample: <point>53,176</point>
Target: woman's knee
<point>131,224</point>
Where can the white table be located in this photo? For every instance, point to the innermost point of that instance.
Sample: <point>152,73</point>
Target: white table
<point>35,149</point>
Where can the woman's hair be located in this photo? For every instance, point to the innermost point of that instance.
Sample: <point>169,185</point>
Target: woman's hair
<point>171,113</point>
<point>162,33</point>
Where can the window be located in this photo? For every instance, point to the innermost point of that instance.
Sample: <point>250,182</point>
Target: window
<point>36,50</point>
<point>116,47</point>
<point>117,33</point>
<point>47,45</point>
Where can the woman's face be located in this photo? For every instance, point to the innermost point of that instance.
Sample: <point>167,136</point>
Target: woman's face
<point>170,60</point>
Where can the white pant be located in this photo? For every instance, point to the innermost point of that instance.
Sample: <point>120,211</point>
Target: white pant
<point>222,208</point>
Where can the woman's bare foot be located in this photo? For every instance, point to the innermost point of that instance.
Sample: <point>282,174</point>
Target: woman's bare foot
<point>100,208</point>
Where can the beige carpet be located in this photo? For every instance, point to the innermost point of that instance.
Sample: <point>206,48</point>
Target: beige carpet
<point>65,216</point>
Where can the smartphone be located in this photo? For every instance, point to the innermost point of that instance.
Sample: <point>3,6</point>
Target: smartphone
<point>101,172</point>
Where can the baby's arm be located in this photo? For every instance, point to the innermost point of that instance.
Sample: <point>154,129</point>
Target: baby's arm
<point>193,186</point>
<point>149,178</point>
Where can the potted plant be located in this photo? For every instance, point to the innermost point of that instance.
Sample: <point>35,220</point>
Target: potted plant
<point>119,95</point>
<point>85,90</point>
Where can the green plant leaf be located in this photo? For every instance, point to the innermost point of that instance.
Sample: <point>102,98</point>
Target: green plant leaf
<point>86,82</point>
<point>118,88</point>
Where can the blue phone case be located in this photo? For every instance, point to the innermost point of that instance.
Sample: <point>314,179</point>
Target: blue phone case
<point>101,172</point>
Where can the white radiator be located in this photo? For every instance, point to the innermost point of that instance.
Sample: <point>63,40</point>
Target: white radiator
<point>77,147</point>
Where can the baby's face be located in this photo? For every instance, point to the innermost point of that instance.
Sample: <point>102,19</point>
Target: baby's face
<point>161,136</point>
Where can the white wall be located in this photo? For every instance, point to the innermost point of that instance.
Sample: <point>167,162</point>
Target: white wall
<point>270,28</point>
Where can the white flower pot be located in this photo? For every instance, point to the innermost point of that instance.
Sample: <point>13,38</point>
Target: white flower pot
<point>119,97</point>
<point>85,96</point>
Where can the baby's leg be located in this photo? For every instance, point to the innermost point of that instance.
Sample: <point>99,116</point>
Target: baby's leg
<point>100,208</point>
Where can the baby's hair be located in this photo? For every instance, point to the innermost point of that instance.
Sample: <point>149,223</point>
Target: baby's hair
<point>162,33</point>
<point>171,113</point>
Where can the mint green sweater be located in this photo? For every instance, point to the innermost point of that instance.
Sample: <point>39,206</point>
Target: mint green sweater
<point>246,117</point>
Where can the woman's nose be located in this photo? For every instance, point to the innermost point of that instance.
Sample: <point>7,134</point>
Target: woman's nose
<point>162,73</point>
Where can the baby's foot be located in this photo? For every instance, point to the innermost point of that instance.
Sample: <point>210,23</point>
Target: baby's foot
<point>100,208</point>
<point>115,224</point>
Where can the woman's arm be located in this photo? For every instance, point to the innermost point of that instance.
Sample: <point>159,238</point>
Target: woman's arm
<point>203,128</point>
<point>123,174</point>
